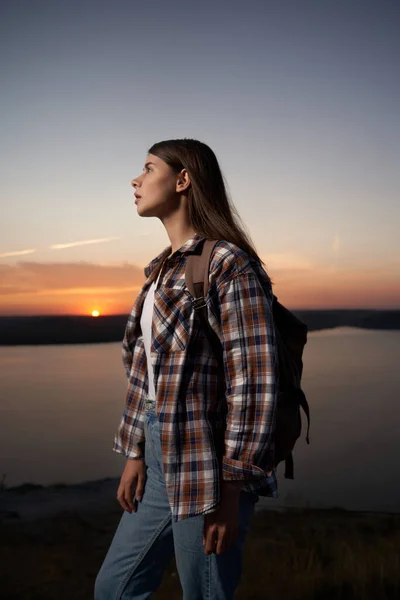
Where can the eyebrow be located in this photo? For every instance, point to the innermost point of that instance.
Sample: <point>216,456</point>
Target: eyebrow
<point>147,164</point>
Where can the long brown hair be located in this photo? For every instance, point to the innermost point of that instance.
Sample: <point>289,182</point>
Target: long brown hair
<point>211,212</point>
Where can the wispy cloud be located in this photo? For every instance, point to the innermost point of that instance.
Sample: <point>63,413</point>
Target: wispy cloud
<point>83,243</point>
<point>17,253</point>
<point>100,291</point>
<point>70,288</point>
<point>34,277</point>
<point>80,287</point>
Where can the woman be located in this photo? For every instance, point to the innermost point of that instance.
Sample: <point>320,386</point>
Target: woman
<point>197,435</point>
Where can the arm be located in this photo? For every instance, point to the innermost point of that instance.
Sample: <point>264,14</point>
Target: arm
<point>249,353</point>
<point>130,437</point>
<point>246,331</point>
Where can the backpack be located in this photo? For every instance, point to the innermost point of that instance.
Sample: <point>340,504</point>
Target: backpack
<point>291,337</point>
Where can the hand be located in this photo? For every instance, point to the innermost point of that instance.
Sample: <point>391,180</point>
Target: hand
<point>134,474</point>
<point>221,527</point>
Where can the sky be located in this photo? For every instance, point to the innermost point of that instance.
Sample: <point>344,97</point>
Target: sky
<point>300,101</point>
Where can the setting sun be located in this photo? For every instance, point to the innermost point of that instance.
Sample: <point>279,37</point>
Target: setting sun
<point>95,313</point>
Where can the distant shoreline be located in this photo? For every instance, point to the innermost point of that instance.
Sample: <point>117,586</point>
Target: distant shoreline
<point>45,330</point>
<point>28,502</point>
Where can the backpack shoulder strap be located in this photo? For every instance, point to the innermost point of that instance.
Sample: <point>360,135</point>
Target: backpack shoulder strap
<point>197,282</point>
<point>197,270</point>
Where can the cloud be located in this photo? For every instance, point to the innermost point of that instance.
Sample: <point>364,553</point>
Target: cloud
<point>33,288</point>
<point>339,288</point>
<point>83,243</point>
<point>52,278</point>
<point>98,291</point>
<point>17,253</point>
<point>80,287</point>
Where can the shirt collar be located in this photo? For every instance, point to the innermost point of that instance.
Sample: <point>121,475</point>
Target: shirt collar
<point>189,247</point>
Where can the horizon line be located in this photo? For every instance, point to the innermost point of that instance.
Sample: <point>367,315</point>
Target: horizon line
<point>89,316</point>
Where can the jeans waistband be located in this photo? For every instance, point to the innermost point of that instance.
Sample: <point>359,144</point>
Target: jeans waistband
<point>149,405</point>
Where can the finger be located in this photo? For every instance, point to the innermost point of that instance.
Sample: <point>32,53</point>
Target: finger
<point>121,500</point>
<point>139,488</point>
<point>125,497</point>
<point>128,497</point>
<point>221,541</point>
<point>210,539</point>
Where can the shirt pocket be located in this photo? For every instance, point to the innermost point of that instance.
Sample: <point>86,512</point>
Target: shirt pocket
<point>171,319</point>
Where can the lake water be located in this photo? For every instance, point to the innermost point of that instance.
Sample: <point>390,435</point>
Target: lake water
<point>60,407</point>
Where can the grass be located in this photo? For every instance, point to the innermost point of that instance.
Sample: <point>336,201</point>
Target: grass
<point>307,555</point>
<point>323,555</point>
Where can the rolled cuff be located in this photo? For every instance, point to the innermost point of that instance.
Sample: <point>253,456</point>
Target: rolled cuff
<point>237,470</point>
<point>135,450</point>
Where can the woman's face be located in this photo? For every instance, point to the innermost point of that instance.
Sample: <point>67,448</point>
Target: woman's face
<point>156,188</point>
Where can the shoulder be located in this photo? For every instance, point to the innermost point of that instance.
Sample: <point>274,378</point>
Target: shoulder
<point>227,261</point>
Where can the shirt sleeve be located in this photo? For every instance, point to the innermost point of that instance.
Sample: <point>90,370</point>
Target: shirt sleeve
<point>249,355</point>
<point>130,436</point>
<point>129,439</point>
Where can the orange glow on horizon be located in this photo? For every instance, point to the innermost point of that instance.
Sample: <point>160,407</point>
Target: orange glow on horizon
<point>93,290</point>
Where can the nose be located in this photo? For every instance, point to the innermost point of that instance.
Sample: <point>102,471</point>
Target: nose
<point>136,182</point>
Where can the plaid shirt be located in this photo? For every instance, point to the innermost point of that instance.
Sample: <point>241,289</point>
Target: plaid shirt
<point>213,425</point>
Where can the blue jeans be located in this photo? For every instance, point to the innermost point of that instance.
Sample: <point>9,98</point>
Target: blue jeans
<point>145,542</point>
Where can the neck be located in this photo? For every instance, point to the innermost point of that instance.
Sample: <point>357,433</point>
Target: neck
<point>178,232</point>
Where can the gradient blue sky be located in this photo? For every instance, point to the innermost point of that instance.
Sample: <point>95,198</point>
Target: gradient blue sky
<point>299,100</point>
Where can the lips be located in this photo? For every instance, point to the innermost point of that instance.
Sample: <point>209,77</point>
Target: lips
<point>137,199</point>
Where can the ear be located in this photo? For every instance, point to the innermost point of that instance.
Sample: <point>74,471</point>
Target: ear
<point>183,181</point>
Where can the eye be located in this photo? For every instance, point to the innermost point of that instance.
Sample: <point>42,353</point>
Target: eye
<point>148,169</point>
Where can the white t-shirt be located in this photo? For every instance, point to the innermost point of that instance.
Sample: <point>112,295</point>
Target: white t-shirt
<point>146,320</point>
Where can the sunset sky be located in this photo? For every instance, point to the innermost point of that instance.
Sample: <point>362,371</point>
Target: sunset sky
<point>299,99</point>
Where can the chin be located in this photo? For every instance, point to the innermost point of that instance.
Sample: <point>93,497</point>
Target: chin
<point>147,211</point>
<point>142,212</point>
